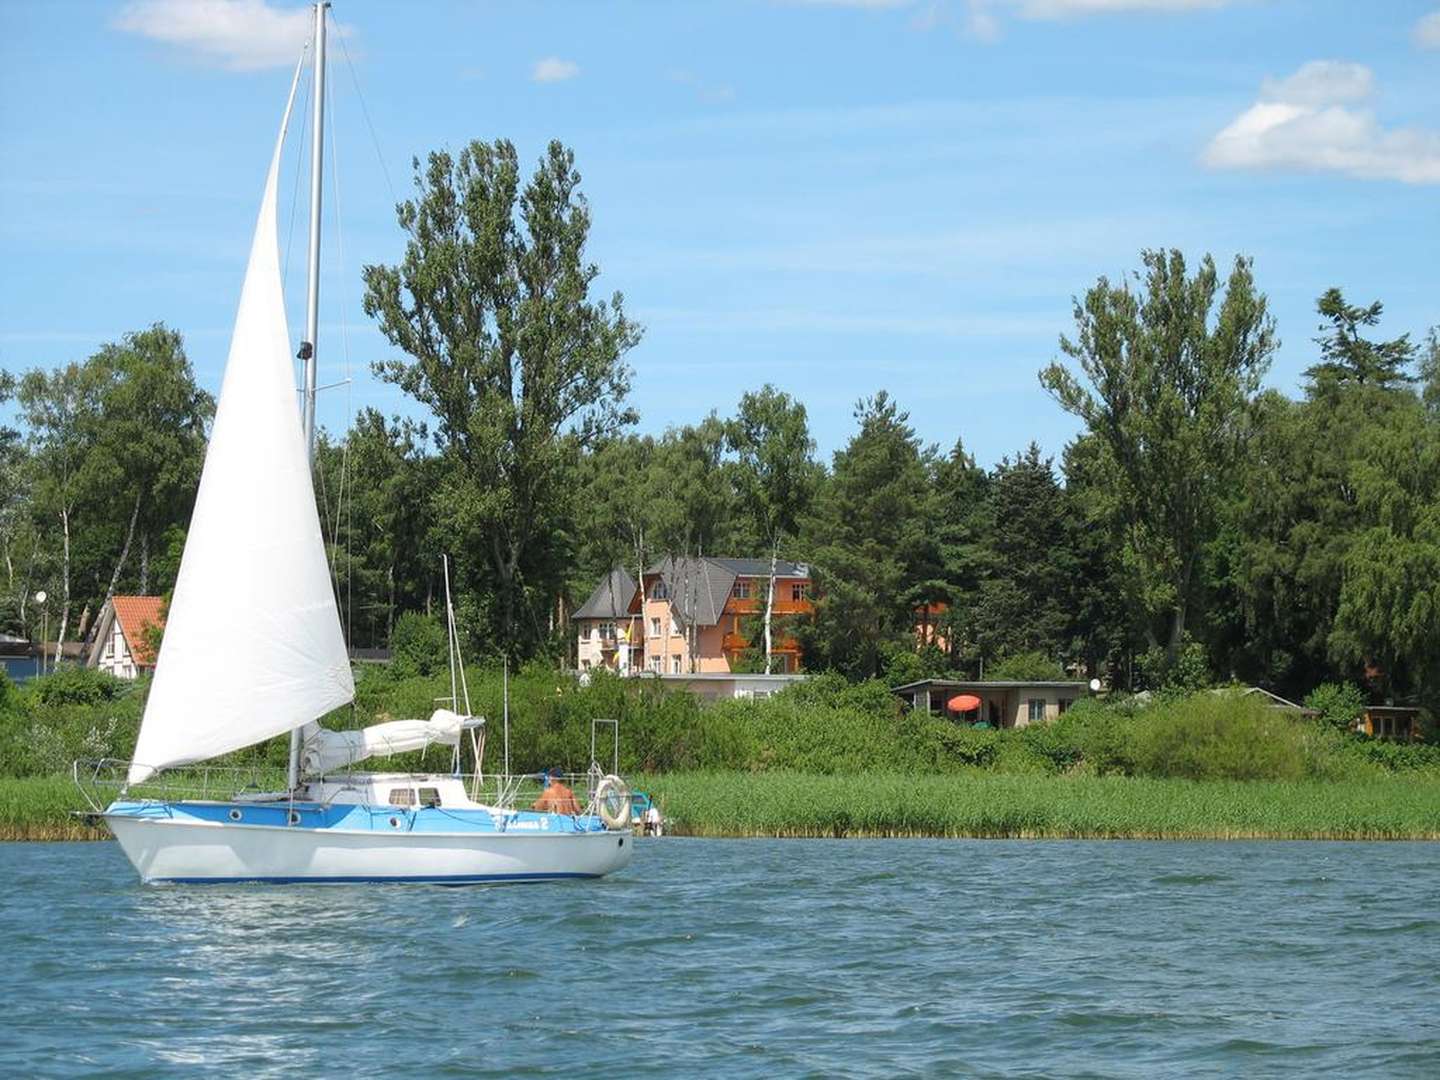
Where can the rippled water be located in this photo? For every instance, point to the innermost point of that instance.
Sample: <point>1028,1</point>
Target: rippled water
<point>746,958</point>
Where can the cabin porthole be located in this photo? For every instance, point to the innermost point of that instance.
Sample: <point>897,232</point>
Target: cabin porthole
<point>622,841</point>
<point>293,817</point>
<point>394,822</point>
<point>235,815</point>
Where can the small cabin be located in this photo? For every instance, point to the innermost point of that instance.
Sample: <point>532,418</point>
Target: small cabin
<point>123,642</point>
<point>993,703</point>
<point>1398,722</point>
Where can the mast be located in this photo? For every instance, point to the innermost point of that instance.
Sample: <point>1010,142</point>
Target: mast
<point>308,348</point>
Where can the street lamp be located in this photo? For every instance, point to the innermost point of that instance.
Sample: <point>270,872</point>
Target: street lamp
<point>40,598</point>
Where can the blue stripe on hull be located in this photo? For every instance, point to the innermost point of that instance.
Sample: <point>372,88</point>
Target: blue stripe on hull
<point>408,879</point>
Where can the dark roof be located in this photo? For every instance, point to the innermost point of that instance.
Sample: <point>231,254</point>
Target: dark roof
<point>988,684</point>
<point>761,568</point>
<point>698,587</point>
<point>611,598</point>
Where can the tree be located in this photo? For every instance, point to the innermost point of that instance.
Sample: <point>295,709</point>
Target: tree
<point>870,542</point>
<point>521,368</point>
<point>1170,379</point>
<point>149,438</point>
<point>1022,603</point>
<point>776,475</point>
<point>1348,358</point>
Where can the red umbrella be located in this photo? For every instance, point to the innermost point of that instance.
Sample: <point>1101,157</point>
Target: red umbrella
<point>963,703</point>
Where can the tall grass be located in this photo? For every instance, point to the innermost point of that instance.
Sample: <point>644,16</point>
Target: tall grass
<point>987,805</point>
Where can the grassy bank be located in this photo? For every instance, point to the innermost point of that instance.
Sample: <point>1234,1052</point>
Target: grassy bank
<point>974,804</point>
<point>986,805</point>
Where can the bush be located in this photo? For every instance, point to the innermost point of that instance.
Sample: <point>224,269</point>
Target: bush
<point>1187,672</point>
<point>1339,704</point>
<point>418,645</point>
<point>1219,737</point>
<point>76,686</point>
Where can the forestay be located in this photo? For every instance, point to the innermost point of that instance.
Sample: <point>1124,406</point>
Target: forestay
<point>252,646</point>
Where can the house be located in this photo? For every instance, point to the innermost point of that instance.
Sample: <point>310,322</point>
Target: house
<point>1275,701</point>
<point>710,686</point>
<point>928,619</point>
<point>122,640</point>
<point>604,627</point>
<point>1399,722</point>
<point>692,610</point>
<point>687,616</point>
<point>999,703</point>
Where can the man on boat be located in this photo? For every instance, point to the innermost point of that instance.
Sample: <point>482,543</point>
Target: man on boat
<point>557,798</point>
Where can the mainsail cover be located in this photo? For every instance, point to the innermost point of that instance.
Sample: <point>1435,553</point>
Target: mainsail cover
<point>252,646</point>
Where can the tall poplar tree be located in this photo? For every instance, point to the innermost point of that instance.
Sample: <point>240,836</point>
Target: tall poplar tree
<point>522,368</point>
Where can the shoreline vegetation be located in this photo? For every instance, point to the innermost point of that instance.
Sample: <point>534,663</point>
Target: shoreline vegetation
<point>967,806</point>
<point>826,758</point>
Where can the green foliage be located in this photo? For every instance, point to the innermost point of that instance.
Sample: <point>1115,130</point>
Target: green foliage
<point>418,646</point>
<point>521,368</point>
<point>1219,737</point>
<point>1181,671</point>
<point>1027,667</point>
<point>1339,704</point>
<point>1170,379</point>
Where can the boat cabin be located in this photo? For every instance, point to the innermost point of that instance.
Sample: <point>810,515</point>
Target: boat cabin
<point>392,789</point>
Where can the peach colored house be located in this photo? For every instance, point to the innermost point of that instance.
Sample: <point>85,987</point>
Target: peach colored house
<point>687,615</point>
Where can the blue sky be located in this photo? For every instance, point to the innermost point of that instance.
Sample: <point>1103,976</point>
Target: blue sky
<point>836,197</point>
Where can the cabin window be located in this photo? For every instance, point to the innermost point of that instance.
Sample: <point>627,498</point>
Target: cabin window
<point>402,796</point>
<point>797,592</point>
<point>429,796</point>
<point>742,589</point>
<point>1037,709</point>
<point>1065,703</point>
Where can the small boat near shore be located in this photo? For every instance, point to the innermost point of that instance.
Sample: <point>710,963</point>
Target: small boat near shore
<point>277,661</point>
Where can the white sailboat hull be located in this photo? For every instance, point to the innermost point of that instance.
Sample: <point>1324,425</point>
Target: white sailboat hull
<point>182,851</point>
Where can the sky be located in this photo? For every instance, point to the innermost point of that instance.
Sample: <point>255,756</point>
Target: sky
<point>833,196</point>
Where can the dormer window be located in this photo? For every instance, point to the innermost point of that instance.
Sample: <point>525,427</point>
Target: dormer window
<point>659,591</point>
<point>742,589</point>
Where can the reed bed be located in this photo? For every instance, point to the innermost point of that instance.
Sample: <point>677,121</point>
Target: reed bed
<point>985,805</point>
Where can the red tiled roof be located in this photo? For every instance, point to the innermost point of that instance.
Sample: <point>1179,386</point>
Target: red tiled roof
<point>135,614</point>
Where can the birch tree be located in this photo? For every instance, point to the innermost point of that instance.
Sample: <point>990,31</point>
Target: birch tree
<point>776,476</point>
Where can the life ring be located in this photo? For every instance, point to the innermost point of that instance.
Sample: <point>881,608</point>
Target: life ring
<point>612,799</point>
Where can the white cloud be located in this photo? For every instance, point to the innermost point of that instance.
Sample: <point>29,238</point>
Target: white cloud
<point>553,69</point>
<point>242,35</point>
<point>1427,31</point>
<point>1315,121</point>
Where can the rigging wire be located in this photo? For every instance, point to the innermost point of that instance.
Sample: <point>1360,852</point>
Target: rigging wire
<point>374,139</point>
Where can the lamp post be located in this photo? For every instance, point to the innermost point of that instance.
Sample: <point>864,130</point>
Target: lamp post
<point>40,598</point>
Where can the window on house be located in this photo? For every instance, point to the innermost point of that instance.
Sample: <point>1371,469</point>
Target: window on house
<point>654,626</point>
<point>1065,703</point>
<point>798,591</point>
<point>659,591</point>
<point>674,627</point>
<point>675,664</point>
<point>741,591</point>
<point>402,796</point>
<point>607,629</point>
<point>1037,709</point>
<point>654,662</point>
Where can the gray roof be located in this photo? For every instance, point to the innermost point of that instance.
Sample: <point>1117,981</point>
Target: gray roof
<point>990,684</point>
<point>698,587</point>
<point>761,568</point>
<point>611,598</point>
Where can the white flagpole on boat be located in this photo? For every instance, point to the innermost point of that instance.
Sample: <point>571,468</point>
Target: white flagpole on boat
<point>308,347</point>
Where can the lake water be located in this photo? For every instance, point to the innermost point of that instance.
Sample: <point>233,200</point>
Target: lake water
<point>746,958</point>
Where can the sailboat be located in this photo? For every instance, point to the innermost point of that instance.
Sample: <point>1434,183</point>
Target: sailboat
<point>253,650</point>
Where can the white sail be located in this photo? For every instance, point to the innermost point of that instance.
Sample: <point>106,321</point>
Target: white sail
<point>252,646</point>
